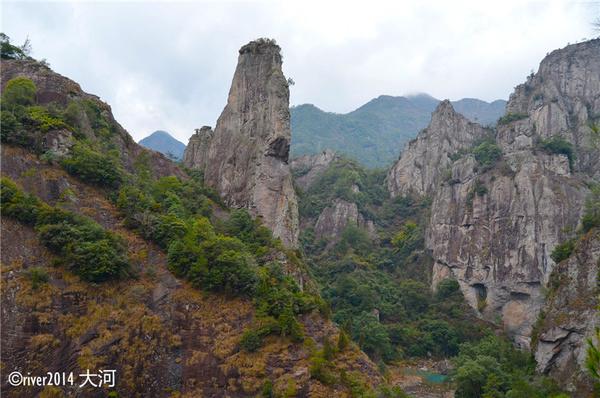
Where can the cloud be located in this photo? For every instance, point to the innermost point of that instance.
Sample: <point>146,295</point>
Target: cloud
<point>169,65</point>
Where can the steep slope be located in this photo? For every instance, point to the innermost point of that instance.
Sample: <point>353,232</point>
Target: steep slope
<point>246,158</point>
<point>88,188</point>
<point>163,142</point>
<point>418,169</point>
<point>570,316</point>
<point>372,133</point>
<point>504,204</point>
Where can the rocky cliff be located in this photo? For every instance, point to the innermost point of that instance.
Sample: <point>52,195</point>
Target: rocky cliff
<point>308,168</point>
<point>499,209</point>
<point>570,316</point>
<point>420,167</point>
<point>246,158</point>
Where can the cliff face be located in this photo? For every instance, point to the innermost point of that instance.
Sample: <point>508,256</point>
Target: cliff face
<point>493,226</point>
<point>418,171</point>
<point>308,168</point>
<point>246,158</point>
<point>570,316</point>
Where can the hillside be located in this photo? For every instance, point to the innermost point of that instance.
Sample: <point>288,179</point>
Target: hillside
<point>373,133</point>
<point>165,143</point>
<point>115,258</point>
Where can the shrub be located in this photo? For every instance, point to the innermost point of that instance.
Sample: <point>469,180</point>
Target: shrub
<point>40,118</point>
<point>11,130</point>
<point>37,276</point>
<point>563,251</point>
<point>82,245</point>
<point>591,214</point>
<point>320,370</point>
<point>9,51</point>
<point>558,145</point>
<point>93,167</point>
<point>446,289</point>
<point>16,204</point>
<point>251,340</point>
<point>487,153</point>
<point>18,91</point>
<point>343,341</point>
<point>511,117</point>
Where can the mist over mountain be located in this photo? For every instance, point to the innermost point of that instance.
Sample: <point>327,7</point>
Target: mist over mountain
<point>165,143</point>
<point>373,133</point>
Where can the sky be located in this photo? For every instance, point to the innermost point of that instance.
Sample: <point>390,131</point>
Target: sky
<point>168,65</point>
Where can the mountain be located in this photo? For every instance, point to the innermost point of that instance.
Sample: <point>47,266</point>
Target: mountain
<point>165,143</point>
<point>507,204</point>
<point>372,133</point>
<point>114,257</point>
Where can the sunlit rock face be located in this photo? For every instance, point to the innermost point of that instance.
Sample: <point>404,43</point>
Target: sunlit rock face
<point>246,157</point>
<point>493,228</point>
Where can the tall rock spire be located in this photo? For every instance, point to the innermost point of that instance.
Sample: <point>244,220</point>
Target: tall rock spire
<point>246,158</point>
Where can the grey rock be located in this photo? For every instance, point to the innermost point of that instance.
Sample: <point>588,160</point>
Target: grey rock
<point>308,168</point>
<point>335,218</point>
<point>497,242</point>
<point>420,167</point>
<point>570,317</point>
<point>246,158</point>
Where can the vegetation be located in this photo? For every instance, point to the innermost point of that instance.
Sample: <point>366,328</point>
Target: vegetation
<point>10,51</point>
<point>591,214</point>
<point>592,360</point>
<point>378,289</point>
<point>93,166</point>
<point>558,145</point>
<point>487,153</point>
<point>511,117</point>
<point>492,367</point>
<point>563,251</point>
<point>81,245</point>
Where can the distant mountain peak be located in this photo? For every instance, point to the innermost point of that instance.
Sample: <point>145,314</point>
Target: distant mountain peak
<point>374,133</point>
<point>163,142</point>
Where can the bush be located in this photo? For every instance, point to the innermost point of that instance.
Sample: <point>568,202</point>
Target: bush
<point>487,153</point>
<point>9,51</point>
<point>81,244</point>
<point>37,276</point>
<point>251,341</point>
<point>563,251</point>
<point>558,145</point>
<point>19,91</point>
<point>511,117</point>
<point>446,289</point>
<point>93,167</point>
<point>40,118</point>
<point>11,131</point>
<point>591,213</point>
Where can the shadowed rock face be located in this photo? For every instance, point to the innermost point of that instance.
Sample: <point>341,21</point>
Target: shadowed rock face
<point>493,229</point>
<point>308,168</point>
<point>570,317</point>
<point>246,158</point>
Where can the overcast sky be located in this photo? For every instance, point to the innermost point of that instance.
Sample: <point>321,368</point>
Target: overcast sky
<point>169,65</point>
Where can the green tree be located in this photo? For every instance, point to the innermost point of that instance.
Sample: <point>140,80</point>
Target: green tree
<point>19,91</point>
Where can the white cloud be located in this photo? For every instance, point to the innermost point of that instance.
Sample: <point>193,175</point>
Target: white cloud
<point>169,65</point>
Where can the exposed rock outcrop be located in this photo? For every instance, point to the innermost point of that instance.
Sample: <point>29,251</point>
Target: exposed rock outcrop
<point>570,317</point>
<point>196,151</point>
<point>493,227</point>
<point>420,167</point>
<point>308,168</point>
<point>246,158</point>
<point>334,219</point>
